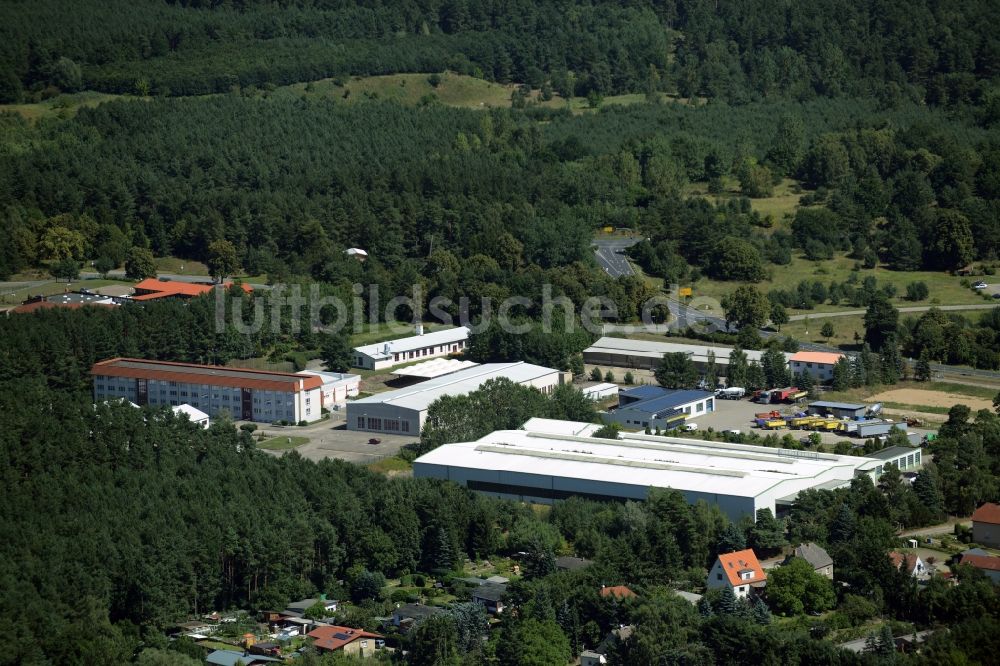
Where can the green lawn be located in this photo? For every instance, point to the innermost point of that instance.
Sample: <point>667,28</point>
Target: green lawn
<point>944,289</point>
<point>393,465</point>
<point>380,331</point>
<point>15,296</point>
<point>282,443</point>
<point>65,106</point>
<point>783,202</point>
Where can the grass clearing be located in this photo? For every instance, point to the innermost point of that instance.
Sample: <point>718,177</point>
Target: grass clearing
<point>391,466</point>
<point>780,204</point>
<point>282,443</point>
<point>15,296</point>
<point>63,106</point>
<point>944,289</point>
<point>381,331</point>
<point>180,266</point>
<point>453,89</point>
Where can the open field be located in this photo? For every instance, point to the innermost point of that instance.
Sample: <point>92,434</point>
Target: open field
<point>410,89</point>
<point>783,202</point>
<point>393,466</point>
<point>180,266</point>
<point>18,294</point>
<point>844,328</point>
<point>379,331</point>
<point>932,399</point>
<point>62,106</point>
<point>944,289</point>
<point>282,443</point>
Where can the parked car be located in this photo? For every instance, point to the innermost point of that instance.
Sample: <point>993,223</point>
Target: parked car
<point>980,285</point>
<point>374,440</point>
<point>690,427</point>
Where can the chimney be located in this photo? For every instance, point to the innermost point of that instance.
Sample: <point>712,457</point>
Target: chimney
<point>420,329</point>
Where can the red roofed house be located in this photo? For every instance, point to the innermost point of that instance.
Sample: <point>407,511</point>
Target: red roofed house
<point>618,592</point>
<point>739,571</point>
<point>354,642</point>
<point>986,525</point>
<point>818,364</point>
<point>988,564</point>
<point>153,288</point>
<point>908,562</point>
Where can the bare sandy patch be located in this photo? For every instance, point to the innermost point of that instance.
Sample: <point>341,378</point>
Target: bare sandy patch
<point>910,396</point>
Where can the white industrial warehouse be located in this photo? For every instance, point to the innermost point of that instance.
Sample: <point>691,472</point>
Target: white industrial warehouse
<point>550,460</point>
<point>405,410</point>
<point>647,354</point>
<point>416,347</point>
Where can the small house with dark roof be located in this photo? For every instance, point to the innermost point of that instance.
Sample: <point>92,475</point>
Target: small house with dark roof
<point>740,571</point>
<point>567,563</point>
<point>407,615</point>
<point>490,596</point>
<point>818,559</point>
<point>986,525</point>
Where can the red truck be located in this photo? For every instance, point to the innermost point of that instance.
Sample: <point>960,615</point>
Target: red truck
<point>789,394</point>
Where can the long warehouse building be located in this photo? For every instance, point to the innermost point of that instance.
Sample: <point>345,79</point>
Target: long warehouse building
<point>249,395</point>
<point>647,354</point>
<point>405,410</point>
<point>551,460</point>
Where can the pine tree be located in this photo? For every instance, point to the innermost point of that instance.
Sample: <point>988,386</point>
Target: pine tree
<point>760,613</point>
<point>922,372</point>
<point>726,604</point>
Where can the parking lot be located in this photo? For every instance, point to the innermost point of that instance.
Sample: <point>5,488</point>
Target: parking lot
<point>332,439</point>
<point>739,414</point>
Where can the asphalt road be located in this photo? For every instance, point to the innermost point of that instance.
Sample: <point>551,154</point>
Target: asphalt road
<point>610,254</point>
<point>917,308</point>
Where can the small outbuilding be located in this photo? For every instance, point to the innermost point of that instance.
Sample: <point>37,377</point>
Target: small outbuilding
<point>841,410</point>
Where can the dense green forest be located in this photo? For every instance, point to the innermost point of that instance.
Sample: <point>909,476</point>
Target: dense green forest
<point>882,117</point>
<point>938,52</point>
<point>131,519</point>
<point>292,182</point>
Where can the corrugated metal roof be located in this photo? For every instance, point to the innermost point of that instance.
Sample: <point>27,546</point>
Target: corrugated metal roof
<point>667,400</point>
<point>647,460</point>
<point>655,349</point>
<point>420,396</point>
<point>436,367</point>
<point>837,405</point>
<point>446,336</point>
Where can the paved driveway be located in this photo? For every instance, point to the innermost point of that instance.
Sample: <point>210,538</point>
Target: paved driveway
<point>332,439</point>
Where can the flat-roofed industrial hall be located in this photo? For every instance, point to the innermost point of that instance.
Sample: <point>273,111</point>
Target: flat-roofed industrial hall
<point>550,460</point>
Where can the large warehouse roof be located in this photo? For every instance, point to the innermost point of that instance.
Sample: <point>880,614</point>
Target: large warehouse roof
<point>213,375</point>
<point>651,349</point>
<point>436,367</point>
<point>646,460</point>
<point>383,350</point>
<point>420,396</point>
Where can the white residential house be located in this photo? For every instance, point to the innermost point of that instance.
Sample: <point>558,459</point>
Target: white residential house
<point>739,571</point>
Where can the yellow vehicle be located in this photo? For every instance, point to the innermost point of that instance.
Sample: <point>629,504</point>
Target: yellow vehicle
<point>774,424</point>
<point>832,425</point>
<point>801,422</point>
